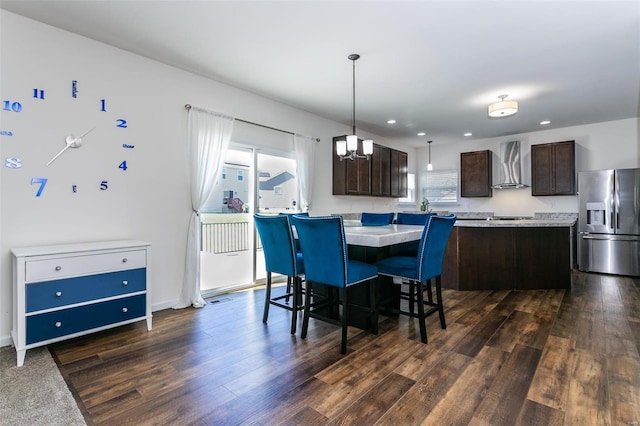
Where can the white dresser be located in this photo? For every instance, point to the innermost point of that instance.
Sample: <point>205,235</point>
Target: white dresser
<point>65,291</point>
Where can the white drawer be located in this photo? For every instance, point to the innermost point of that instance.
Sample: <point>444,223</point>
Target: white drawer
<point>61,267</point>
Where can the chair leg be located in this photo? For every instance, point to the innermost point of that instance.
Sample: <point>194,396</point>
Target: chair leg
<point>267,299</point>
<point>307,306</point>
<point>373,295</point>
<point>443,324</point>
<point>429,294</point>
<point>412,296</point>
<point>294,305</point>
<point>288,292</point>
<point>343,344</point>
<point>421,317</point>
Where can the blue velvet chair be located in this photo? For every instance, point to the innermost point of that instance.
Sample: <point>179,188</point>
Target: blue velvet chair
<point>412,218</point>
<point>281,257</point>
<point>297,245</point>
<point>421,269</point>
<point>376,218</point>
<point>411,248</point>
<point>326,259</point>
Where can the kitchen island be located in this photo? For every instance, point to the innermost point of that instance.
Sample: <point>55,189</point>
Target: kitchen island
<point>510,254</point>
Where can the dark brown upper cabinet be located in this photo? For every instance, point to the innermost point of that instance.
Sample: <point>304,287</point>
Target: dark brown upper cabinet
<point>553,169</point>
<point>399,162</point>
<point>383,175</point>
<point>381,171</point>
<point>476,174</point>
<point>351,177</point>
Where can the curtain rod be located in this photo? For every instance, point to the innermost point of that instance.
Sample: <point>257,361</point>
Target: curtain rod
<point>188,107</point>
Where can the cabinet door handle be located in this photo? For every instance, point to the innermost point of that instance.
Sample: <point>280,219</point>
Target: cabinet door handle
<point>58,324</point>
<point>124,260</point>
<point>125,283</point>
<point>58,268</point>
<point>58,293</point>
<point>125,310</point>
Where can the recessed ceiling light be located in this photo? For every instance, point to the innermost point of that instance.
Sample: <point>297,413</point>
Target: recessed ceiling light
<point>545,122</point>
<point>391,121</point>
<point>468,134</point>
<point>421,134</point>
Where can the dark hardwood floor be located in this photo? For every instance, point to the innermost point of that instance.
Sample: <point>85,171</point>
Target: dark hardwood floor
<point>544,357</point>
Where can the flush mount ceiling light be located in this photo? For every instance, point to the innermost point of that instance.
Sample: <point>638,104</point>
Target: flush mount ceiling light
<point>351,144</point>
<point>503,108</point>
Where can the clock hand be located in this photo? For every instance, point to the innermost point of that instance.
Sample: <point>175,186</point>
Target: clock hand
<point>72,142</point>
<point>79,138</point>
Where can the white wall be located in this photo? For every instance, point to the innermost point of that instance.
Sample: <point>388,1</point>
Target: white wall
<point>614,144</point>
<point>150,200</point>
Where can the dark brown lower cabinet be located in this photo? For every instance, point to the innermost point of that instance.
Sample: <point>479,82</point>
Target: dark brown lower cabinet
<point>506,258</point>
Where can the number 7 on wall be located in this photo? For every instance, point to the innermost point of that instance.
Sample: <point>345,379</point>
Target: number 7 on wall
<point>42,182</point>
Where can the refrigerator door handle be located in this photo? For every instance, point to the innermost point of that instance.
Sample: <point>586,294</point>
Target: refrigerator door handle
<point>616,199</point>
<point>610,237</point>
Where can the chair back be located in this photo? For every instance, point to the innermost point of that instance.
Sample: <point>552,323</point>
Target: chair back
<point>433,243</point>
<point>324,248</point>
<point>296,214</point>
<point>376,218</point>
<point>413,218</point>
<point>278,245</point>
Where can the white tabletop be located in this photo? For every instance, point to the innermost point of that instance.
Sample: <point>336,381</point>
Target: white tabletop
<point>380,236</point>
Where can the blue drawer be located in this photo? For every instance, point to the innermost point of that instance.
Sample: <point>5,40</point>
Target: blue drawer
<point>68,321</point>
<point>53,294</point>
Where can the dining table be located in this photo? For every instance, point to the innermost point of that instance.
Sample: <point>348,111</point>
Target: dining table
<point>379,236</point>
<point>370,244</point>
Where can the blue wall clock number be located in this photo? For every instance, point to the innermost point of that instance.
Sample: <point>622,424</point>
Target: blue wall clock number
<point>123,166</point>
<point>103,185</point>
<point>121,123</point>
<point>103,106</point>
<point>13,163</point>
<point>42,182</point>
<point>38,94</point>
<point>12,106</point>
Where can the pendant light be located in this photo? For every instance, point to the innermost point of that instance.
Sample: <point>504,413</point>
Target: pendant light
<point>429,166</point>
<point>503,108</point>
<point>351,144</point>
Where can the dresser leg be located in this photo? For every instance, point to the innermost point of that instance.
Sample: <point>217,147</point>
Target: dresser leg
<point>149,323</point>
<point>20,357</point>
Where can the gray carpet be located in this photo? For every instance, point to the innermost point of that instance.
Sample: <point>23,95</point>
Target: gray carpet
<point>35,394</point>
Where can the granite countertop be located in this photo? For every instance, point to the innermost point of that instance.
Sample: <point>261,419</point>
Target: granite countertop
<point>519,223</point>
<point>380,236</point>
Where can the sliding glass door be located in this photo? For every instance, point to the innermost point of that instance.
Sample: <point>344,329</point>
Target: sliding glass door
<point>231,252</point>
<point>226,261</point>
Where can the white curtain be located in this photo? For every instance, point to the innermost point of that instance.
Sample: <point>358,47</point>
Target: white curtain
<point>208,136</point>
<point>305,149</point>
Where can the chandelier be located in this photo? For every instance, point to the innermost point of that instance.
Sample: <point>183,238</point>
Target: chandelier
<point>351,144</point>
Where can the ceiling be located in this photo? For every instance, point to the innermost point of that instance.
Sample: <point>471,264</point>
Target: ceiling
<point>434,66</point>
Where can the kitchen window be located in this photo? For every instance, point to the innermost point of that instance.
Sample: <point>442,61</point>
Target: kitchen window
<point>440,186</point>
<point>410,199</point>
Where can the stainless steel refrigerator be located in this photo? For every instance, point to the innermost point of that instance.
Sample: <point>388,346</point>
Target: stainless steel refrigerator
<point>609,221</point>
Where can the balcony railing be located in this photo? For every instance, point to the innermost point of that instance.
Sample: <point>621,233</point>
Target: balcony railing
<point>227,237</point>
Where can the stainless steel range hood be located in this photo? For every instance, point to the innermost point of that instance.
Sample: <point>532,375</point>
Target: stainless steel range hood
<point>510,166</point>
